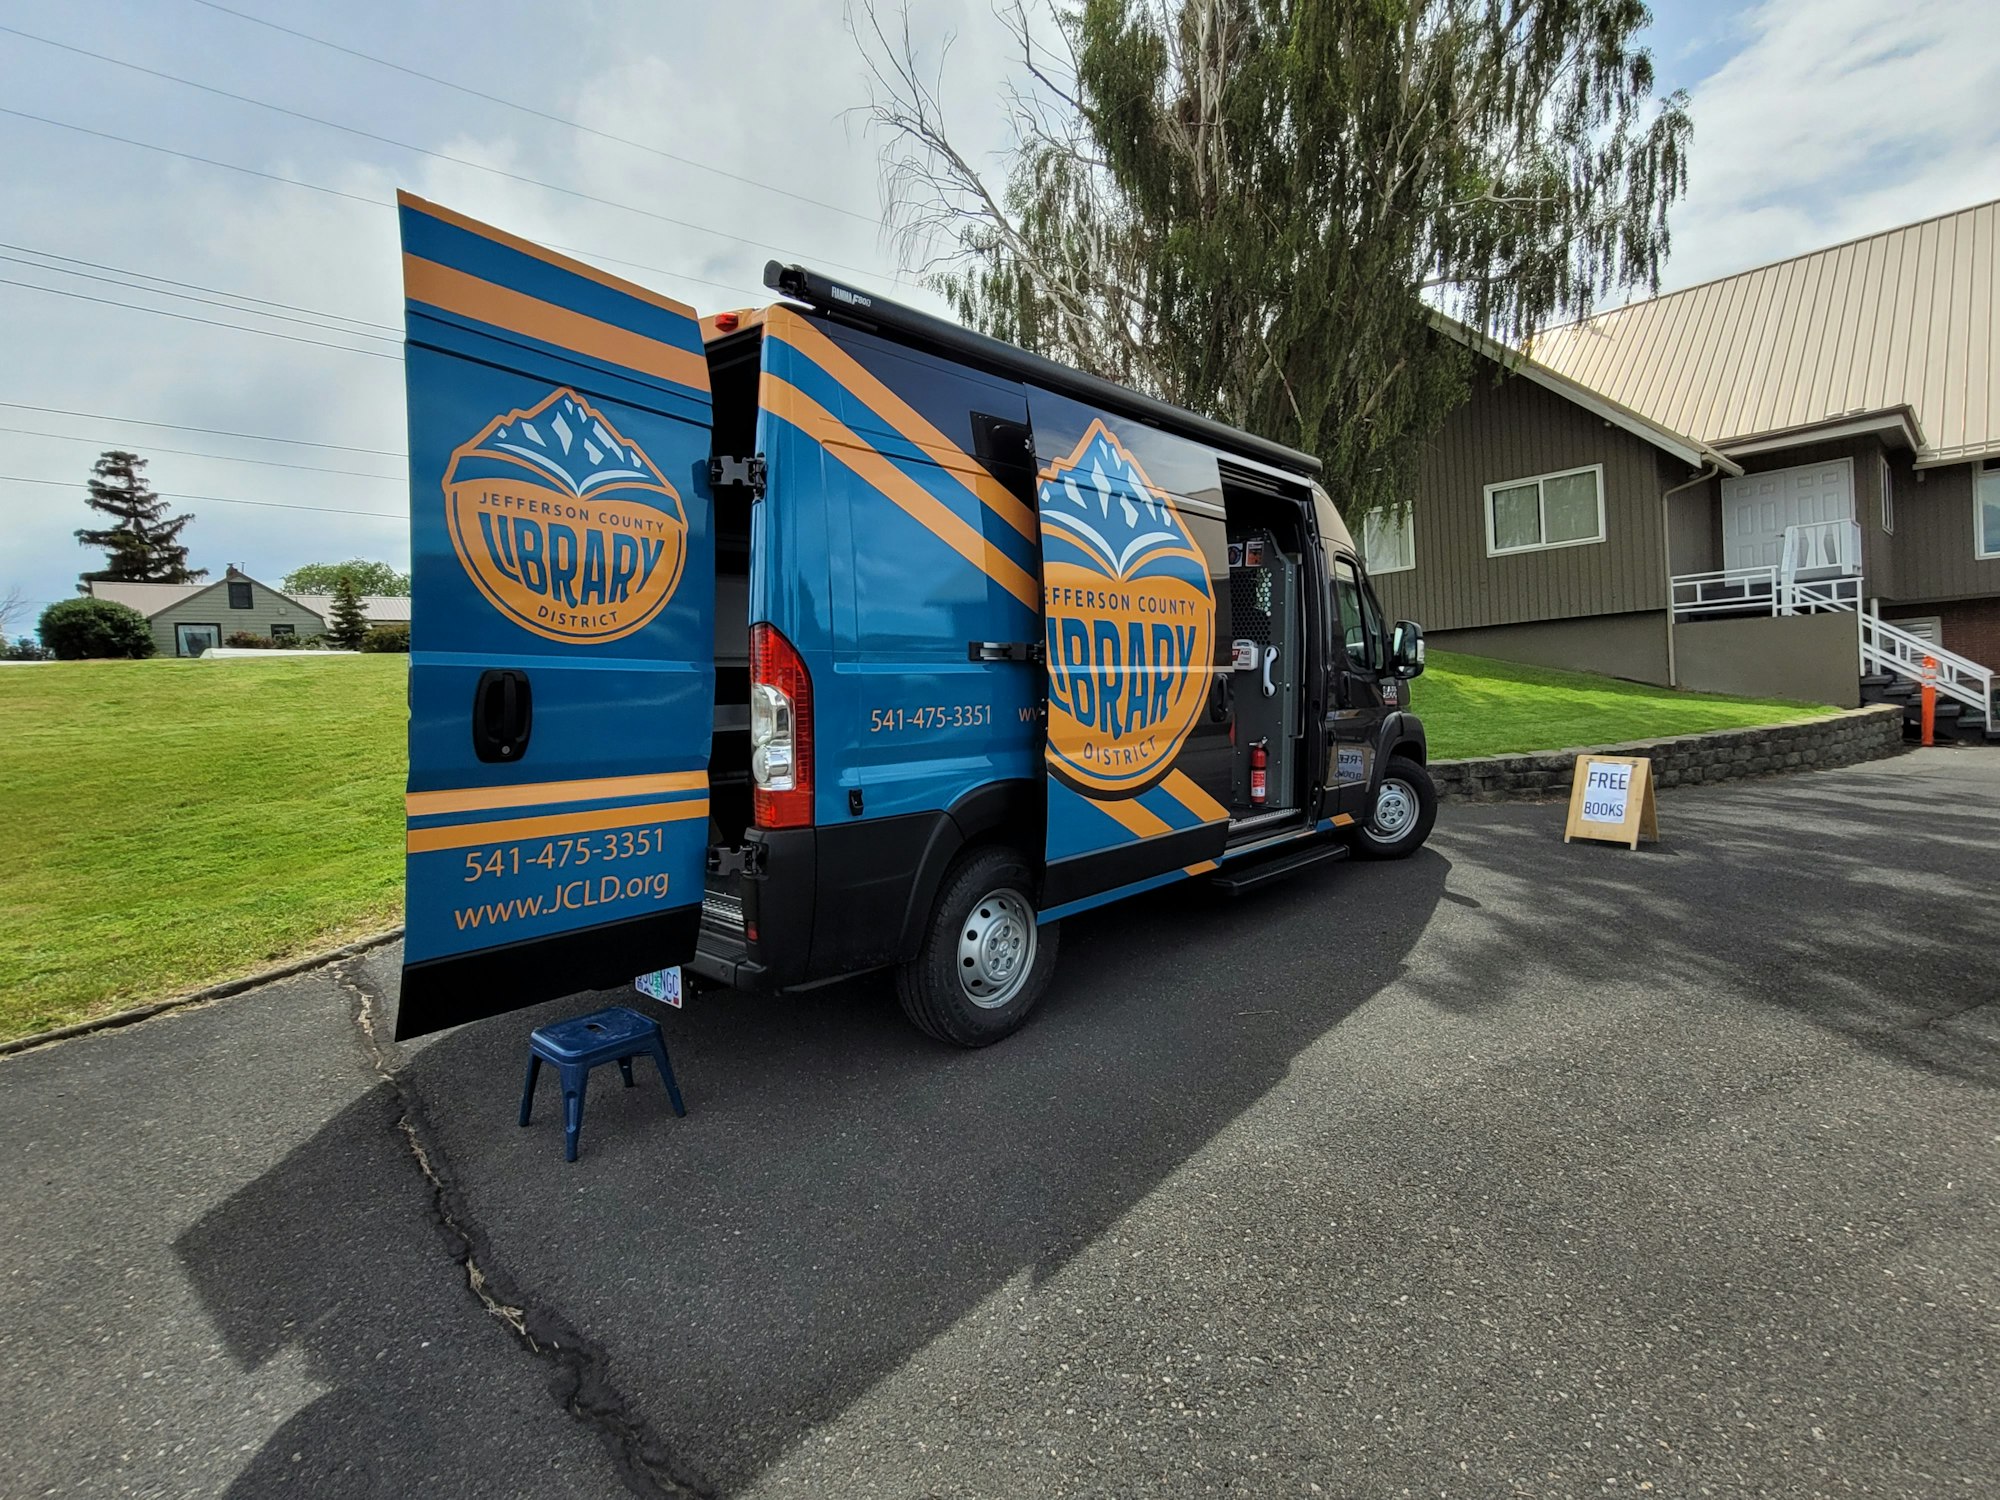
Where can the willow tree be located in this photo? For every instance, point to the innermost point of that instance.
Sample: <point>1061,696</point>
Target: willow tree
<point>1257,208</point>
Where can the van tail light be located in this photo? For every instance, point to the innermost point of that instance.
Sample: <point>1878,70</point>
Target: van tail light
<point>781,738</point>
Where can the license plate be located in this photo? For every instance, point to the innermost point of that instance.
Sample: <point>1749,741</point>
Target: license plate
<point>662,984</point>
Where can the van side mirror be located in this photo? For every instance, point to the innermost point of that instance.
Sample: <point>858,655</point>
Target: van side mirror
<point>1406,649</point>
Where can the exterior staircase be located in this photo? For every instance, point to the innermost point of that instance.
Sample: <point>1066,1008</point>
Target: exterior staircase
<point>1819,572</point>
<point>1951,722</point>
<point>1892,672</point>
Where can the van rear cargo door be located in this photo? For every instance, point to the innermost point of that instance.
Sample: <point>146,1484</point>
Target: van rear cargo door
<point>1135,577</point>
<point>561,677</point>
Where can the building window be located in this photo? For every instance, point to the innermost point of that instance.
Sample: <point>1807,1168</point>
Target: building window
<point>193,640</point>
<point>282,632</point>
<point>1888,497</point>
<point>1389,541</point>
<point>1549,510</point>
<point>1986,500</point>
<point>239,596</point>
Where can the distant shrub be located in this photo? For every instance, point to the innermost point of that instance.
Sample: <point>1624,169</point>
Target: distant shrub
<point>25,649</point>
<point>386,638</point>
<point>246,640</point>
<point>87,628</point>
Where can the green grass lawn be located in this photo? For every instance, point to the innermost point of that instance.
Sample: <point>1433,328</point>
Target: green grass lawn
<point>169,824</point>
<point>1474,705</point>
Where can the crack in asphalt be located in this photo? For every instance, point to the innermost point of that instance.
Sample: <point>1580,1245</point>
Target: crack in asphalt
<point>582,1383</point>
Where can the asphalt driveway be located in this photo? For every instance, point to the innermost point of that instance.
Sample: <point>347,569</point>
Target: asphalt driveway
<point>1516,1168</point>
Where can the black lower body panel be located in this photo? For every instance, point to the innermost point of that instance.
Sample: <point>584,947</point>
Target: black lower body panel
<point>868,882</point>
<point>1084,875</point>
<point>449,991</point>
<point>831,900</point>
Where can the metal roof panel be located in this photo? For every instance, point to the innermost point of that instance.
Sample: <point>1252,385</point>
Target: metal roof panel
<point>1907,316</point>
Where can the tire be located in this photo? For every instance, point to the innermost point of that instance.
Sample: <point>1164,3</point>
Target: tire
<point>1407,801</point>
<point>984,964</point>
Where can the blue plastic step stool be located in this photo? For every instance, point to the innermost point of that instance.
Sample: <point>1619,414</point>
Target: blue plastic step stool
<point>576,1046</point>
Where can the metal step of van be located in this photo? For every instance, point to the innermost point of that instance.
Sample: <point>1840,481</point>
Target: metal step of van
<point>1247,875</point>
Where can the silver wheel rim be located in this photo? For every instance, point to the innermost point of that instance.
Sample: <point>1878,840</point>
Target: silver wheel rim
<point>996,948</point>
<point>1395,811</point>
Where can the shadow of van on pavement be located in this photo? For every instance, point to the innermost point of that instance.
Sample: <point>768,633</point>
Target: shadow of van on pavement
<point>1664,1166</point>
<point>842,1190</point>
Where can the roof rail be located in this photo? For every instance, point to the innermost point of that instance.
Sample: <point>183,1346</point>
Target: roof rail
<point>865,310</point>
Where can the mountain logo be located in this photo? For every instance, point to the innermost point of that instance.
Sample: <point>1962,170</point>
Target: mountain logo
<point>1130,617</point>
<point>567,529</point>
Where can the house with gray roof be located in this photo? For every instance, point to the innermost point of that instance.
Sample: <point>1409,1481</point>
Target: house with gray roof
<point>189,618</point>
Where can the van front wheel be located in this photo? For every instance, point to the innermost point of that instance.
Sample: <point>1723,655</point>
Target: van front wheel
<point>984,962</point>
<point>1400,818</point>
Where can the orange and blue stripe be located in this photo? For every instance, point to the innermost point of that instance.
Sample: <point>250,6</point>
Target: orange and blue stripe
<point>814,386</point>
<point>485,281</point>
<point>469,817</point>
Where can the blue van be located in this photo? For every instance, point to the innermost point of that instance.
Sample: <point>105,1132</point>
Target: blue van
<point>827,637</point>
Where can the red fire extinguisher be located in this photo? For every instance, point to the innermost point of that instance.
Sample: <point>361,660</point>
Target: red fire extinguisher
<point>1259,781</point>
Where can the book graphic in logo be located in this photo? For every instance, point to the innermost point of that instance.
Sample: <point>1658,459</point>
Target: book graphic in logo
<point>568,529</point>
<point>1130,617</point>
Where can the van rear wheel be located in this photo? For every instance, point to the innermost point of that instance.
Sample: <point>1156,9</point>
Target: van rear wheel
<point>984,963</point>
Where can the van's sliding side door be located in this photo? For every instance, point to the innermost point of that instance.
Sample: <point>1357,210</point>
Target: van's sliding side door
<point>1135,576</point>
<point>561,677</point>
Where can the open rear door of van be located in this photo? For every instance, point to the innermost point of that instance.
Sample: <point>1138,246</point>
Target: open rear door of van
<point>562,674</point>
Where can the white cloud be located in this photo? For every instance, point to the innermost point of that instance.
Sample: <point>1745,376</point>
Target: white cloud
<point>761,91</point>
<point>1838,118</point>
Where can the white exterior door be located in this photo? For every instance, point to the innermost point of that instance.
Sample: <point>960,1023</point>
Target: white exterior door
<point>1757,508</point>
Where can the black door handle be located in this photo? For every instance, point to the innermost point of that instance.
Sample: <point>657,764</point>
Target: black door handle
<point>503,715</point>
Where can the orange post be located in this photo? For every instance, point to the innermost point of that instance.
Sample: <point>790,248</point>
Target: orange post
<point>1929,696</point>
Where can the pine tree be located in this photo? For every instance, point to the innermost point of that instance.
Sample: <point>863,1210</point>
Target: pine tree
<point>143,546</point>
<point>349,627</point>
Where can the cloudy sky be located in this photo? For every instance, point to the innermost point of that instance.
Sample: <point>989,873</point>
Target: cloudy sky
<point>1815,120</point>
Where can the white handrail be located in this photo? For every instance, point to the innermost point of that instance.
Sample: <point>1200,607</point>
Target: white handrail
<point>1887,647</point>
<point>1821,547</point>
<point>1777,590</point>
<point>1725,589</point>
<point>1816,546</point>
<point>1824,594</point>
<point>1763,588</point>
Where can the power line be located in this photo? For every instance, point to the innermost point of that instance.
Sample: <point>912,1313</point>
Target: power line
<point>160,291</point>
<point>540,114</point>
<point>190,285</point>
<point>269,463</point>
<point>249,437</point>
<point>460,161</point>
<point>269,333</point>
<point>317,187</point>
<point>229,166</point>
<point>329,510</point>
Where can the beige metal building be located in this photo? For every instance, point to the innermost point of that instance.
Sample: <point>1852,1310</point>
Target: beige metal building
<point>1692,488</point>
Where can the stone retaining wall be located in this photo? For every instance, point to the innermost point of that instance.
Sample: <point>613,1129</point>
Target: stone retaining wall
<point>1684,760</point>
